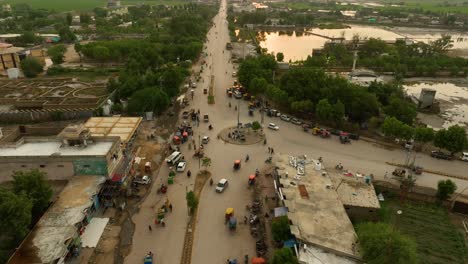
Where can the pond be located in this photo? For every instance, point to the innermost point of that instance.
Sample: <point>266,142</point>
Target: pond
<point>297,45</point>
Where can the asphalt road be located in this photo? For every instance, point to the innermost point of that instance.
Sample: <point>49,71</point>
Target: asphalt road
<point>213,242</point>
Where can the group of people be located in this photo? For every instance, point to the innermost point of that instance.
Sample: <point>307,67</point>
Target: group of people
<point>271,151</point>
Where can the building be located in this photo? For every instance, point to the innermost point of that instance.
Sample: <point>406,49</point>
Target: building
<point>6,8</point>
<point>59,230</point>
<point>113,4</point>
<point>319,205</point>
<point>11,57</point>
<point>426,98</point>
<point>72,152</point>
<point>124,127</point>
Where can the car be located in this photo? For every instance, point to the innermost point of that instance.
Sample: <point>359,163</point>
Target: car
<point>205,140</point>
<point>296,121</point>
<point>441,155</point>
<point>285,118</point>
<point>335,132</point>
<point>273,126</point>
<point>222,185</point>
<point>354,136</point>
<point>234,74</point>
<point>464,156</point>
<point>143,180</point>
<point>237,95</point>
<point>194,85</point>
<point>181,166</point>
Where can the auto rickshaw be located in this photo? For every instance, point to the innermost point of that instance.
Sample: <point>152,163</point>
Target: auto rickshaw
<point>232,223</point>
<point>237,164</point>
<point>252,179</point>
<point>344,138</point>
<point>176,140</point>
<point>227,215</point>
<point>316,131</point>
<point>418,170</point>
<point>148,258</point>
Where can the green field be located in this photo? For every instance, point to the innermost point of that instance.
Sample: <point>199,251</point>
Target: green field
<point>86,5</point>
<point>438,240</point>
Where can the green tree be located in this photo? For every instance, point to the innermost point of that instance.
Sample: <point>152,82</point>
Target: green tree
<point>402,110</point>
<point>452,139</point>
<point>303,106</point>
<point>445,188</point>
<point>31,67</point>
<point>280,56</point>
<point>324,110</point>
<point>381,244</point>
<point>69,19</point>
<point>256,126</point>
<point>284,256</point>
<point>66,35</point>
<point>192,201</point>
<point>16,214</point>
<point>423,135</point>
<point>338,112</point>
<point>147,100</point>
<point>206,163</point>
<point>101,53</point>
<point>33,184</point>
<point>56,53</point>
<point>391,127</point>
<point>280,229</point>
<point>258,86</point>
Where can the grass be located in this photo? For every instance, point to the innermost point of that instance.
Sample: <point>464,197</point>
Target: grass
<point>438,240</point>
<point>86,5</point>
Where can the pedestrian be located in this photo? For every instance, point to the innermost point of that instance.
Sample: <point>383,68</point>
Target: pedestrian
<point>170,207</point>
<point>385,176</point>
<point>269,150</point>
<point>272,151</point>
<point>150,228</point>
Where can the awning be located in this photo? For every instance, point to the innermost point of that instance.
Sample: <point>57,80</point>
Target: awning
<point>117,177</point>
<point>93,232</point>
<point>258,261</point>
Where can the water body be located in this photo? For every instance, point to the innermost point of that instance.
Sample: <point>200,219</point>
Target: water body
<point>298,45</point>
<point>453,98</point>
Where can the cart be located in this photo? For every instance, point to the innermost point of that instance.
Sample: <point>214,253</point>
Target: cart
<point>237,164</point>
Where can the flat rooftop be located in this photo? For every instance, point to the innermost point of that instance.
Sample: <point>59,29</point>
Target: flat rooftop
<point>48,240</point>
<point>53,148</point>
<point>354,191</point>
<point>317,214</point>
<point>123,127</point>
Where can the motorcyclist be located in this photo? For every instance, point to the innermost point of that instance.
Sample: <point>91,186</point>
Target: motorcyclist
<point>189,173</point>
<point>320,159</point>
<point>211,181</point>
<point>210,127</point>
<point>247,158</point>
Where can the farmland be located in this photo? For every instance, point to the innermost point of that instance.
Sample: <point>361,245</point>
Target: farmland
<point>85,5</point>
<point>438,240</point>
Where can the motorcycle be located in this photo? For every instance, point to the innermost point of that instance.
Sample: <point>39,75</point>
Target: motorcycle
<point>339,167</point>
<point>210,127</point>
<point>268,160</point>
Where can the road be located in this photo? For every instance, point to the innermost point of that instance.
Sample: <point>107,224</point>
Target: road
<point>213,242</point>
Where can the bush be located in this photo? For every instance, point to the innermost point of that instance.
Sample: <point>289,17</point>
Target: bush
<point>31,67</point>
<point>280,229</point>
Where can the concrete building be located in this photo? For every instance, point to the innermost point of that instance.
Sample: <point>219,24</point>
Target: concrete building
<point>73,152</point>
<point>426,98</point>
<point>319,206</point>
<point>318,219</point>
<point>11,57</point>
<point>59,230</point>
<point>124,127</point>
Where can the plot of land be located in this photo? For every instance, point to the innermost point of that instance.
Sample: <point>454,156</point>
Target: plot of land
<point>86,5</point>
<point>438,240</point>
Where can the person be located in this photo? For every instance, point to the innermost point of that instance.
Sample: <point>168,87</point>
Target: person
<point>150,228</point>
<point>211,181</point>
<point>235,108</point>
<point>264,141</point>
<point>257,172</point>
<point>320,159</point>
<point>189,173</point>
<point>247,158</point>
<point>245,219</point>
<point>162,222</point>
<point>150,253</point>
<point>210,127</point>
<point>229,104</point>
<point>170,207</point>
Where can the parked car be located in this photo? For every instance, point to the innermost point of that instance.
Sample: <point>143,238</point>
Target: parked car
<point>205,140</point>
<point>296,121</point>
<point>234,74</point>
<point>194,85</point>
<point>354,136</point>
<point>222,185</point>
<point>237,95</point>
<point>464,156</point>
<point>273,126</point>
<point>441,155</point>
<point>143,180</point>
<point>285,118</point>
<point>181,166</point>
<point>335,132</point>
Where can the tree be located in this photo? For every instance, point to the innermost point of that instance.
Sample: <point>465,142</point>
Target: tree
<point>31,67</point>
<point>402,110</point>
<point>445,188</point>
<point>280,229</point>
<point>303,106</point>
<point>147,100</point>
<point>280,56</point>
<point>16,214</point>
<point>68,19</point>
<point>206,162</point>
<point>192,201</point>
<point>66,35</point>
<point>391,127</point>
<point>452,139</point>
<point>284,256</point>
<point>324,110</point>
<point>258,86</point>
<point>56,53</point>
<point>338,112</point>
<point>423,135</point>
<point>33,184</point>
<point>382,244</point>
<point>101,53</point>
<point>256,126</point>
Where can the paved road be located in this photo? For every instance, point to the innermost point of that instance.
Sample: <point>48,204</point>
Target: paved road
<point>213,242</point>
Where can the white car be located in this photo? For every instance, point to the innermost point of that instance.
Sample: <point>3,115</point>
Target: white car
<point>194,85</point>
<point>205,140</point>
<point>181,166</point>
<point>143,180</point>
<point>285,118</point>
<point>273,126</point>
<point>234,74</point>
<point>296,121</point>
<point>222,185</point>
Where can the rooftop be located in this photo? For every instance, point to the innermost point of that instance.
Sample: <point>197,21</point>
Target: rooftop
<point>354,191</point>
<point>54,148</point>
<point>317,214</point>
<point>10,50</point>
<point>48,240</point>
<point>123,127</point>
